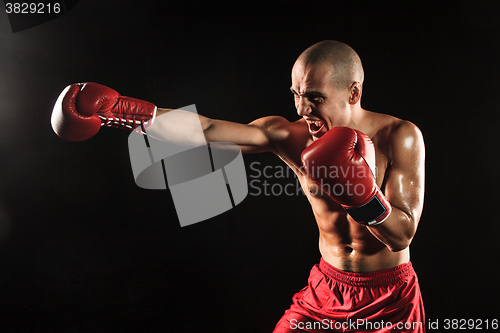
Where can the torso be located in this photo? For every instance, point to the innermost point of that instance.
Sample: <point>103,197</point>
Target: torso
<point>344,243</point>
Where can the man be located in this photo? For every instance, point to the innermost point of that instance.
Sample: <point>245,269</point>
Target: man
<point>364,281</point>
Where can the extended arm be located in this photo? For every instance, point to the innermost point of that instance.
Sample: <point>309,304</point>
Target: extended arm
<point>82,109</point>
<point>184,127</point>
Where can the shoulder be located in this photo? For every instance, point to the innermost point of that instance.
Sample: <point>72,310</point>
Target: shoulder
<point>405,142</point>
<point>393,131</point>
<point>404,131</point>
<point>396,138</point>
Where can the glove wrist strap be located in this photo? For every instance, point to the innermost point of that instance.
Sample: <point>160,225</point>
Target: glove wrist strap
<point>373,212</point>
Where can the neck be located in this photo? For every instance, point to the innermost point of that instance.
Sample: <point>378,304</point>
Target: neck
<point>356,115</point>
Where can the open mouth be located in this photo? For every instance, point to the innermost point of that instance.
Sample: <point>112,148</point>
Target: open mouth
<point>315,126</point>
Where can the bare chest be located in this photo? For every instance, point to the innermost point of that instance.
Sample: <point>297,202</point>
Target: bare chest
<point>312,190</point>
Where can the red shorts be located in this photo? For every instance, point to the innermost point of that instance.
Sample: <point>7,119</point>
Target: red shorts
<point>388,300</point>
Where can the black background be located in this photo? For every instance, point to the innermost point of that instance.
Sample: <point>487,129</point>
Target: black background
<point>83,249</point>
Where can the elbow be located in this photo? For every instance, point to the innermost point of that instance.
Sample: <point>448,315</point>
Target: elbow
<point>399,245</point>
<point>402,240</point>
<point>206,123</point>
<point>397,248</point>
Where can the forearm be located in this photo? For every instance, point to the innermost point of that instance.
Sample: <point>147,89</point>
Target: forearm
<point>397,231</point>
<point>188,128</point>
<point>179,126</point>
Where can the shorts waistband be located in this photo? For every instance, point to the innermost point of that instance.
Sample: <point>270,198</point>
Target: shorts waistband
<point>377,278</point>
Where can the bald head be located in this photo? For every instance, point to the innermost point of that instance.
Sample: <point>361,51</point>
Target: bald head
<point>345,62</point>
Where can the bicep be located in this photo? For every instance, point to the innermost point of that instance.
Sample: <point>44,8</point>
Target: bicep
<point>404,186</point>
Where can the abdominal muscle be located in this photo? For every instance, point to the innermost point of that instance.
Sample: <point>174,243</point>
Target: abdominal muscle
<point>366,254</point>
<point>344,243</point>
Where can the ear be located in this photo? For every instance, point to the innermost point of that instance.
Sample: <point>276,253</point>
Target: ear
<point>355,92</point>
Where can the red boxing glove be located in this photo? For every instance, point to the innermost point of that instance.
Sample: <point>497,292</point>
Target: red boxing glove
<point>83,108</point>
<point>342,163</point>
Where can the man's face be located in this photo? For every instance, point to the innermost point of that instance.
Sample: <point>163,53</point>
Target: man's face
<point>317,99</point>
